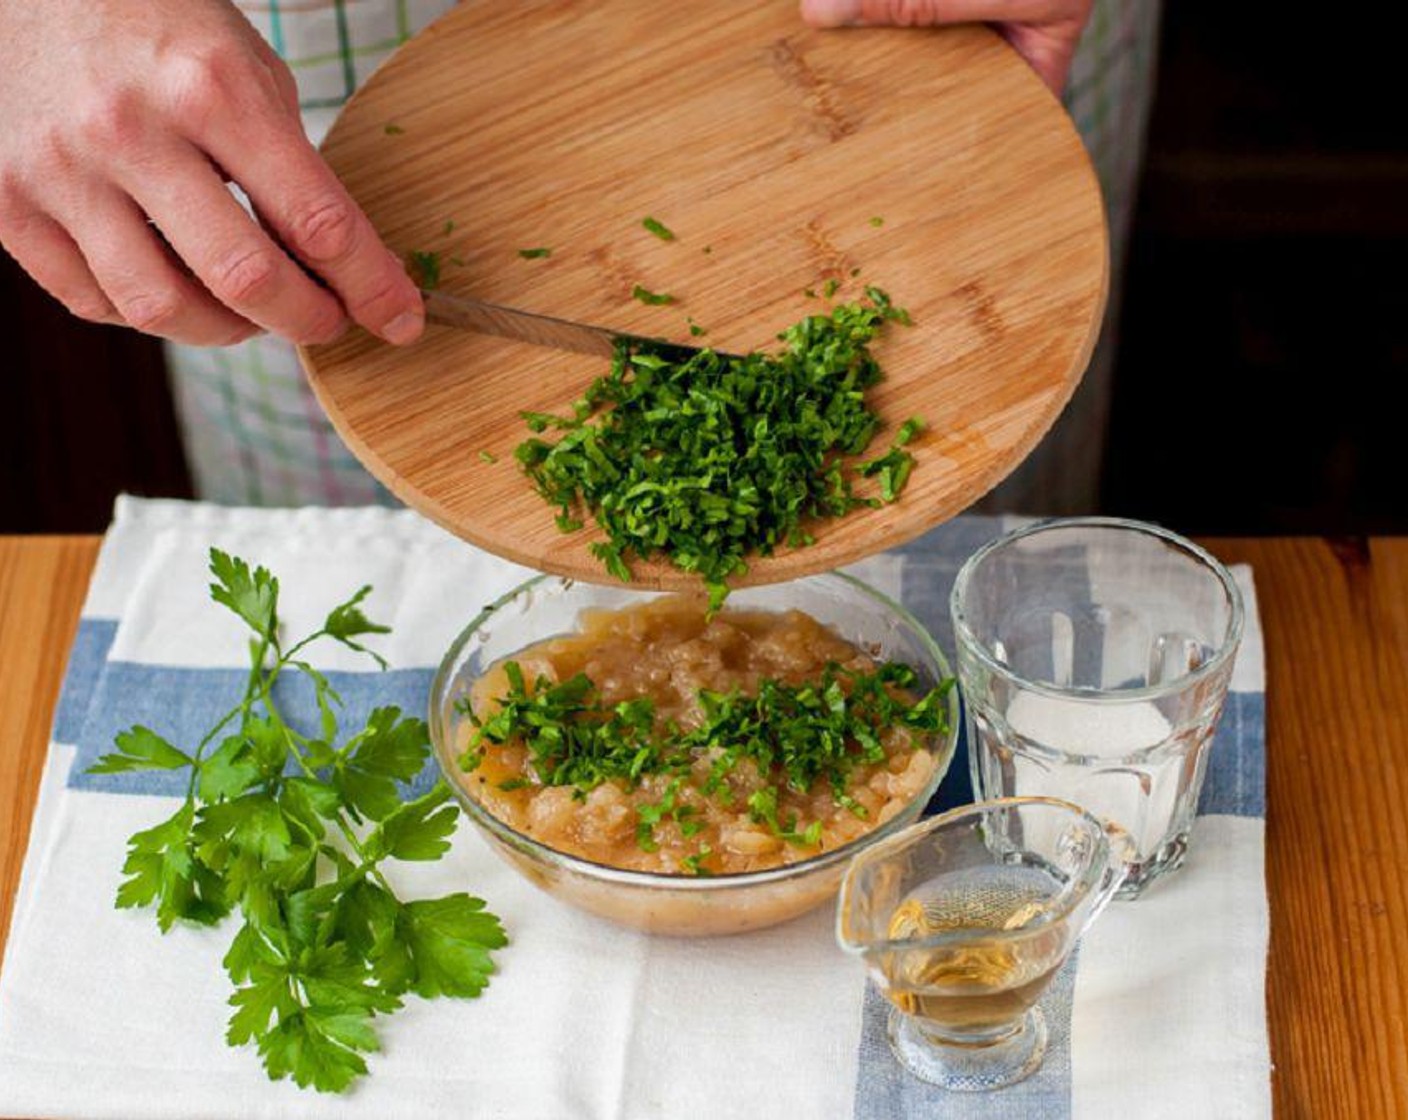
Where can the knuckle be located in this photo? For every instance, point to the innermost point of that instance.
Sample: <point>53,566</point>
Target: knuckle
<point>325,329</point>
<point>151,312</point>
<point>245,275</point>
<point>200,81</point>
<point>900,13</point>
<point>111,121</point>
<point>13,210</point>
<point>326,230</point>
<point>243,333</point>
<point>51,157</point>
<point>377,304</point>
<point>89,306</point>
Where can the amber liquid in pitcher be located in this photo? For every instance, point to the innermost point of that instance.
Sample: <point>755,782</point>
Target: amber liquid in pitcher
<point>978,983</point>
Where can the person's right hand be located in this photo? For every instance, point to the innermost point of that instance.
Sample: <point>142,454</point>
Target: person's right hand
<point>121,111</point>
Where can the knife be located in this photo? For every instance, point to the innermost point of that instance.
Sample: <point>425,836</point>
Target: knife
<point>540,330</point>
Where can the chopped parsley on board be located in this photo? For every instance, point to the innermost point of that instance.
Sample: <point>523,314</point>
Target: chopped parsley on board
<point>713,458</point>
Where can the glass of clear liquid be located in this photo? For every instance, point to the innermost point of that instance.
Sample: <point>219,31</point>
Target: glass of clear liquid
<point>964,919</point>
<point>1094,656</point>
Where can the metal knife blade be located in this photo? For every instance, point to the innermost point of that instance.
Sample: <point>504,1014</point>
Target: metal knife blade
<point>531,327</point>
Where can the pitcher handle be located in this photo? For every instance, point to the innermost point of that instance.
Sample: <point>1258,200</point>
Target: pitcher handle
<point>1121,850</point>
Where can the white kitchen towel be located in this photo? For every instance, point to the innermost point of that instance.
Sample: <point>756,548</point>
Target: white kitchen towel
<point>1161,1014</point>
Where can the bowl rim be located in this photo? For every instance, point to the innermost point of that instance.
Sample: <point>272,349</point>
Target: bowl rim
<point>602,872</point>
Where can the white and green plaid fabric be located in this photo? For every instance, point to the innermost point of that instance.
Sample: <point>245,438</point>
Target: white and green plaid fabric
<point>1107,94</point>
<point>254,435</point>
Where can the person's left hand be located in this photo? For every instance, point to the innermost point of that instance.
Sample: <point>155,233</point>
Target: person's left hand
<point>1044,32</point>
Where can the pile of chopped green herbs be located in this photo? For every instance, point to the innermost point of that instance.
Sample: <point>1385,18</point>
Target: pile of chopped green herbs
<point>712,458</point>
<point>795,735</point>
<point>290,830</point>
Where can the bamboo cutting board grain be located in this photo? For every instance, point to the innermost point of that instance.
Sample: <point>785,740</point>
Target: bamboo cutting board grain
<point>934,162</point>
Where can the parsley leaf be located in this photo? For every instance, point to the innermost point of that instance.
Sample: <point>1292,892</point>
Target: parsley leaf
<point>253,595</point>
<point>535,254</point>
<point>162,868</point>
<point>659,229</point>
<point>229,770</point>
<point>418,830</point>
<point>140,748</point>
<point>389,750</point>
<point>447,943</point>
<point>346,621</point>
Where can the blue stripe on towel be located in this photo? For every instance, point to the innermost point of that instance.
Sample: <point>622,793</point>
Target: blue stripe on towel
<point>886,1091</point>
<point>1236,776</point>
<point>85,665</point>
<point>930,565</point>
<point>183,704</point>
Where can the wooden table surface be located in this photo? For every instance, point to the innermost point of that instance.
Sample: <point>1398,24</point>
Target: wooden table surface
<point>1335,614</point>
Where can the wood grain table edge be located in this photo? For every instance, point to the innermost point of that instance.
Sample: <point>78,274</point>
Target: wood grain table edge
<point>43,581</point>
<point>1335,618</point>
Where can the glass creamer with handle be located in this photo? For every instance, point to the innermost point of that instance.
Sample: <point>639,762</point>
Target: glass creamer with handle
<point>964,919</point>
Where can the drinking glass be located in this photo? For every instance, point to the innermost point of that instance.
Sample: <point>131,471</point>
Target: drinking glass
<point>1094,656</point>
<point>963,920</point>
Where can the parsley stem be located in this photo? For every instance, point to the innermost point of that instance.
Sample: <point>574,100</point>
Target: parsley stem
<point>251,696</point>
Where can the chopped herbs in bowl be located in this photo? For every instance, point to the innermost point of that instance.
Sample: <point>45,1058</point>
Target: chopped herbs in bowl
<point>709,459</point>
<point>686,772</point>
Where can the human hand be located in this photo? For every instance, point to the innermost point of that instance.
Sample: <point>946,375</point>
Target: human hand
<point>120,111</point>
<point>1044,32</point>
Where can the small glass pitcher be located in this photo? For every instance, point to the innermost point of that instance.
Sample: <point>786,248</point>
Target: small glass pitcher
<point>964,919</point>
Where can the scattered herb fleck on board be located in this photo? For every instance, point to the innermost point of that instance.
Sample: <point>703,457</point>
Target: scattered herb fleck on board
<point>709,460</point>
<point>658,228</point>
<point>536,254</point>
<point>654,299</point>
<point>289,830</point>
<point>425,268</point>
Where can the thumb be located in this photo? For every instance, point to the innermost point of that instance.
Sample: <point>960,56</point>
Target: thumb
<point>899,13</point>
<point>830,13</point>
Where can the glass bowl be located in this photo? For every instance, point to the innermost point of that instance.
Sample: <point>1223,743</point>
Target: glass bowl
<point>682,905</point>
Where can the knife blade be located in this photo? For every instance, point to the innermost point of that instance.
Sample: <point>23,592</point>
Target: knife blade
<point>539,330</point>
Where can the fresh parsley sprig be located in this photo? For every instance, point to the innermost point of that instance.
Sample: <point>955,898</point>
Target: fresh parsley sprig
<point>289,830</point>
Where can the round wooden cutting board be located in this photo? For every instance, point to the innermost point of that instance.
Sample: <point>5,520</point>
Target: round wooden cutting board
<point>934,162</point>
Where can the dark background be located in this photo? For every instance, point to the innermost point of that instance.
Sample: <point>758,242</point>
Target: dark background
<point>1264,329</point>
